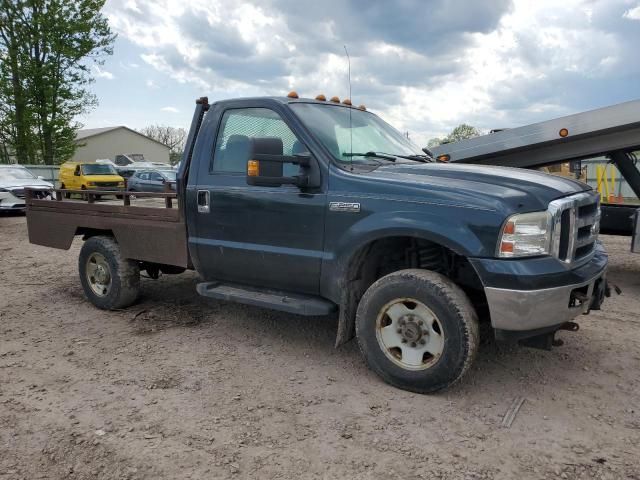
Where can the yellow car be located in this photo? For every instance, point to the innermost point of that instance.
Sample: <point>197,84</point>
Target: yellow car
<point>90,176</point>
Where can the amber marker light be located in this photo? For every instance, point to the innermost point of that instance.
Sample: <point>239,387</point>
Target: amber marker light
<point>346,101</point>
<point>335,100</point>
<point>363,108</point>
<point>293,94</point>
<point>253,168</point>
<point>321,98</point>
<point>509,228</point>
<point>563,132</point>
<point>443,158</point>
<point>506,247</point>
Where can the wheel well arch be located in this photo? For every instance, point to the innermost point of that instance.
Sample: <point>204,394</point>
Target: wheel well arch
<point>384,255</point>
<point>88,232</point>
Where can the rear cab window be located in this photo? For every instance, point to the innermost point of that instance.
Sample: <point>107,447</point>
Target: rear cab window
<point>238,127</point>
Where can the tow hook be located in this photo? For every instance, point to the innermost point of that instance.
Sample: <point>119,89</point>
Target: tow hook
<point>570,326</point>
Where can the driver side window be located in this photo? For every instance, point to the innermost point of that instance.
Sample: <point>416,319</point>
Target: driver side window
<point>237,129</point>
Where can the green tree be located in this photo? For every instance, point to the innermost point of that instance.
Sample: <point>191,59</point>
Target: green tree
<point>172,137</point>
<point>461,132</point>
<point>15,119</point>
<point>58,43</point>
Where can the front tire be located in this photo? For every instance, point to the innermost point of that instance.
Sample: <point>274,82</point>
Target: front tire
<point>109,281</point>
<point>417,330</point>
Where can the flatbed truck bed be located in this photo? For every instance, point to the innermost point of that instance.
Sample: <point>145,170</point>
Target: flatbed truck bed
<point>155,234</point>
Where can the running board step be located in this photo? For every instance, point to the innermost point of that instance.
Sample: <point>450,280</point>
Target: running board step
<point>287,302</point>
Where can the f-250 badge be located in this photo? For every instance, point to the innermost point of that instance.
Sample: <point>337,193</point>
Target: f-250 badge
<point>344,207</point>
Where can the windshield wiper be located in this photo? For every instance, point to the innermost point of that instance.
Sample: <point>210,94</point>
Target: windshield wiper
<point>384,156</point>
<point>416,157</point>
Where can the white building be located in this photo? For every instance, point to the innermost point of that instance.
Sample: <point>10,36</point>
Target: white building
<point>110,142</point>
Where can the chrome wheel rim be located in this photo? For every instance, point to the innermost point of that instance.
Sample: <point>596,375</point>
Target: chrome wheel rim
<point>98,274</point>
<point>410,334</point>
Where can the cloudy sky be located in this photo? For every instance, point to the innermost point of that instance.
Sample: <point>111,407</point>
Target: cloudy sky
<point>423,65</point>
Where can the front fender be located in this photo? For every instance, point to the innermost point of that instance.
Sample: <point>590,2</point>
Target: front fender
<point>466,231</point>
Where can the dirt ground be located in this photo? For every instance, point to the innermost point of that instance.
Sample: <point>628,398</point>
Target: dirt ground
<point>178,386</point>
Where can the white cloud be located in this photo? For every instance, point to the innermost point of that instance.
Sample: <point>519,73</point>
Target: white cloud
<point>170,109</point>
<point>100,73</point>
<point>633,13</point>
<point>426,67</point>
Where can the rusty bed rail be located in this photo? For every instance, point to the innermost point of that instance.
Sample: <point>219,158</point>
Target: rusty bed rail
<point>91,195</point>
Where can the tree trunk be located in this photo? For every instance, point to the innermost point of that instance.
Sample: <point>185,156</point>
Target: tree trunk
<point>47,141</point>
<point>22,126</point>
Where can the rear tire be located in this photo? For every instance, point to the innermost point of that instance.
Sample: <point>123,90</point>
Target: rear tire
<point>109,281</point>
<point>417,330</point>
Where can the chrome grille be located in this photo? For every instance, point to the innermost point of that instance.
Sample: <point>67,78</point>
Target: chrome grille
<point>576,223</point>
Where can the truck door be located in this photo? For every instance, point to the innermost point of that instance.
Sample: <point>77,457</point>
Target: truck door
<point>265,236</point>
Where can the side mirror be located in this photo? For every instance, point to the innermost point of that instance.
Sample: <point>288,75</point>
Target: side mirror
<point>264,167</point>
<point>76,173</point>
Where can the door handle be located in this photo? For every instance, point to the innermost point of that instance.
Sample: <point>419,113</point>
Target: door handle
<point>203,201</point>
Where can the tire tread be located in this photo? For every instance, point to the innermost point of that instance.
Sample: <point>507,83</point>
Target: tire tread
<point>457,301</point>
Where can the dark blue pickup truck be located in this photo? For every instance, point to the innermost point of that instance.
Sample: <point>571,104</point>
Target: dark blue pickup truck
<point>313,207</point>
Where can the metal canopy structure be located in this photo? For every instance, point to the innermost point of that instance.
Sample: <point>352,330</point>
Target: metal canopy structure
<point>588,134</point>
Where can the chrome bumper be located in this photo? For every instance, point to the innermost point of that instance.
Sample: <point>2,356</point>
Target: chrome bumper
<point>520,310</point>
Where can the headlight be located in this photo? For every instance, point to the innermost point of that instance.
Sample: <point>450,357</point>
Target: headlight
<point>121,184</point>
<point>91,184</point>
<point>525,235</point>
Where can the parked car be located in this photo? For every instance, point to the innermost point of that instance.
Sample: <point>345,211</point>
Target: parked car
<point>152,181</point>
<point>89,176</point>
<point>13,181</point>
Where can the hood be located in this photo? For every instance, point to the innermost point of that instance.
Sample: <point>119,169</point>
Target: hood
<point>486,186</point>
<point>21,183</point>
<point>103,178</point>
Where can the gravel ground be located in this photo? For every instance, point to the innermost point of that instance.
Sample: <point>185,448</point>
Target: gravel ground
<point>178,386</point>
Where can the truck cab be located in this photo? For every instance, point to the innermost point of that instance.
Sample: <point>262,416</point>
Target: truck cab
<point>313,207</point>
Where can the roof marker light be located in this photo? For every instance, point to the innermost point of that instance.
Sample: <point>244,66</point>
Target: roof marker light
<point>346,101</point>
<point>335,100</point>
<point>321,98</point>
<point>362,107</point>
<point>293,94</point>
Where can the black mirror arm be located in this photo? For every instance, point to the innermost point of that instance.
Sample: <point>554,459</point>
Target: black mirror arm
<point>302,160</point>
<point>298,181</point>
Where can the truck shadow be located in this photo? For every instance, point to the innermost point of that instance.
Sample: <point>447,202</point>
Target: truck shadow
<point>173,303</point>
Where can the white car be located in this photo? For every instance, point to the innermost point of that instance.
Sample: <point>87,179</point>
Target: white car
<point>13,181</point>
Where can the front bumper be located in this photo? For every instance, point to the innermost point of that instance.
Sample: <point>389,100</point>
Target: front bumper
<point>9,202</point>
<point>530,310</point>
<point>94,188</point>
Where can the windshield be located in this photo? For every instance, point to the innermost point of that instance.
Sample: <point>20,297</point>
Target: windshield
<point>15,173</point>
<point>169,174</point>
<point>369,134</point>
<point>98,169</point>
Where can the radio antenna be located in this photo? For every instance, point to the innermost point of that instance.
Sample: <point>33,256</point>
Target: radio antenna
<point>349,106</point>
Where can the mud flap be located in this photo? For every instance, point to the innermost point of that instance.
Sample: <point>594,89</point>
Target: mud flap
<point>347,318</point>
